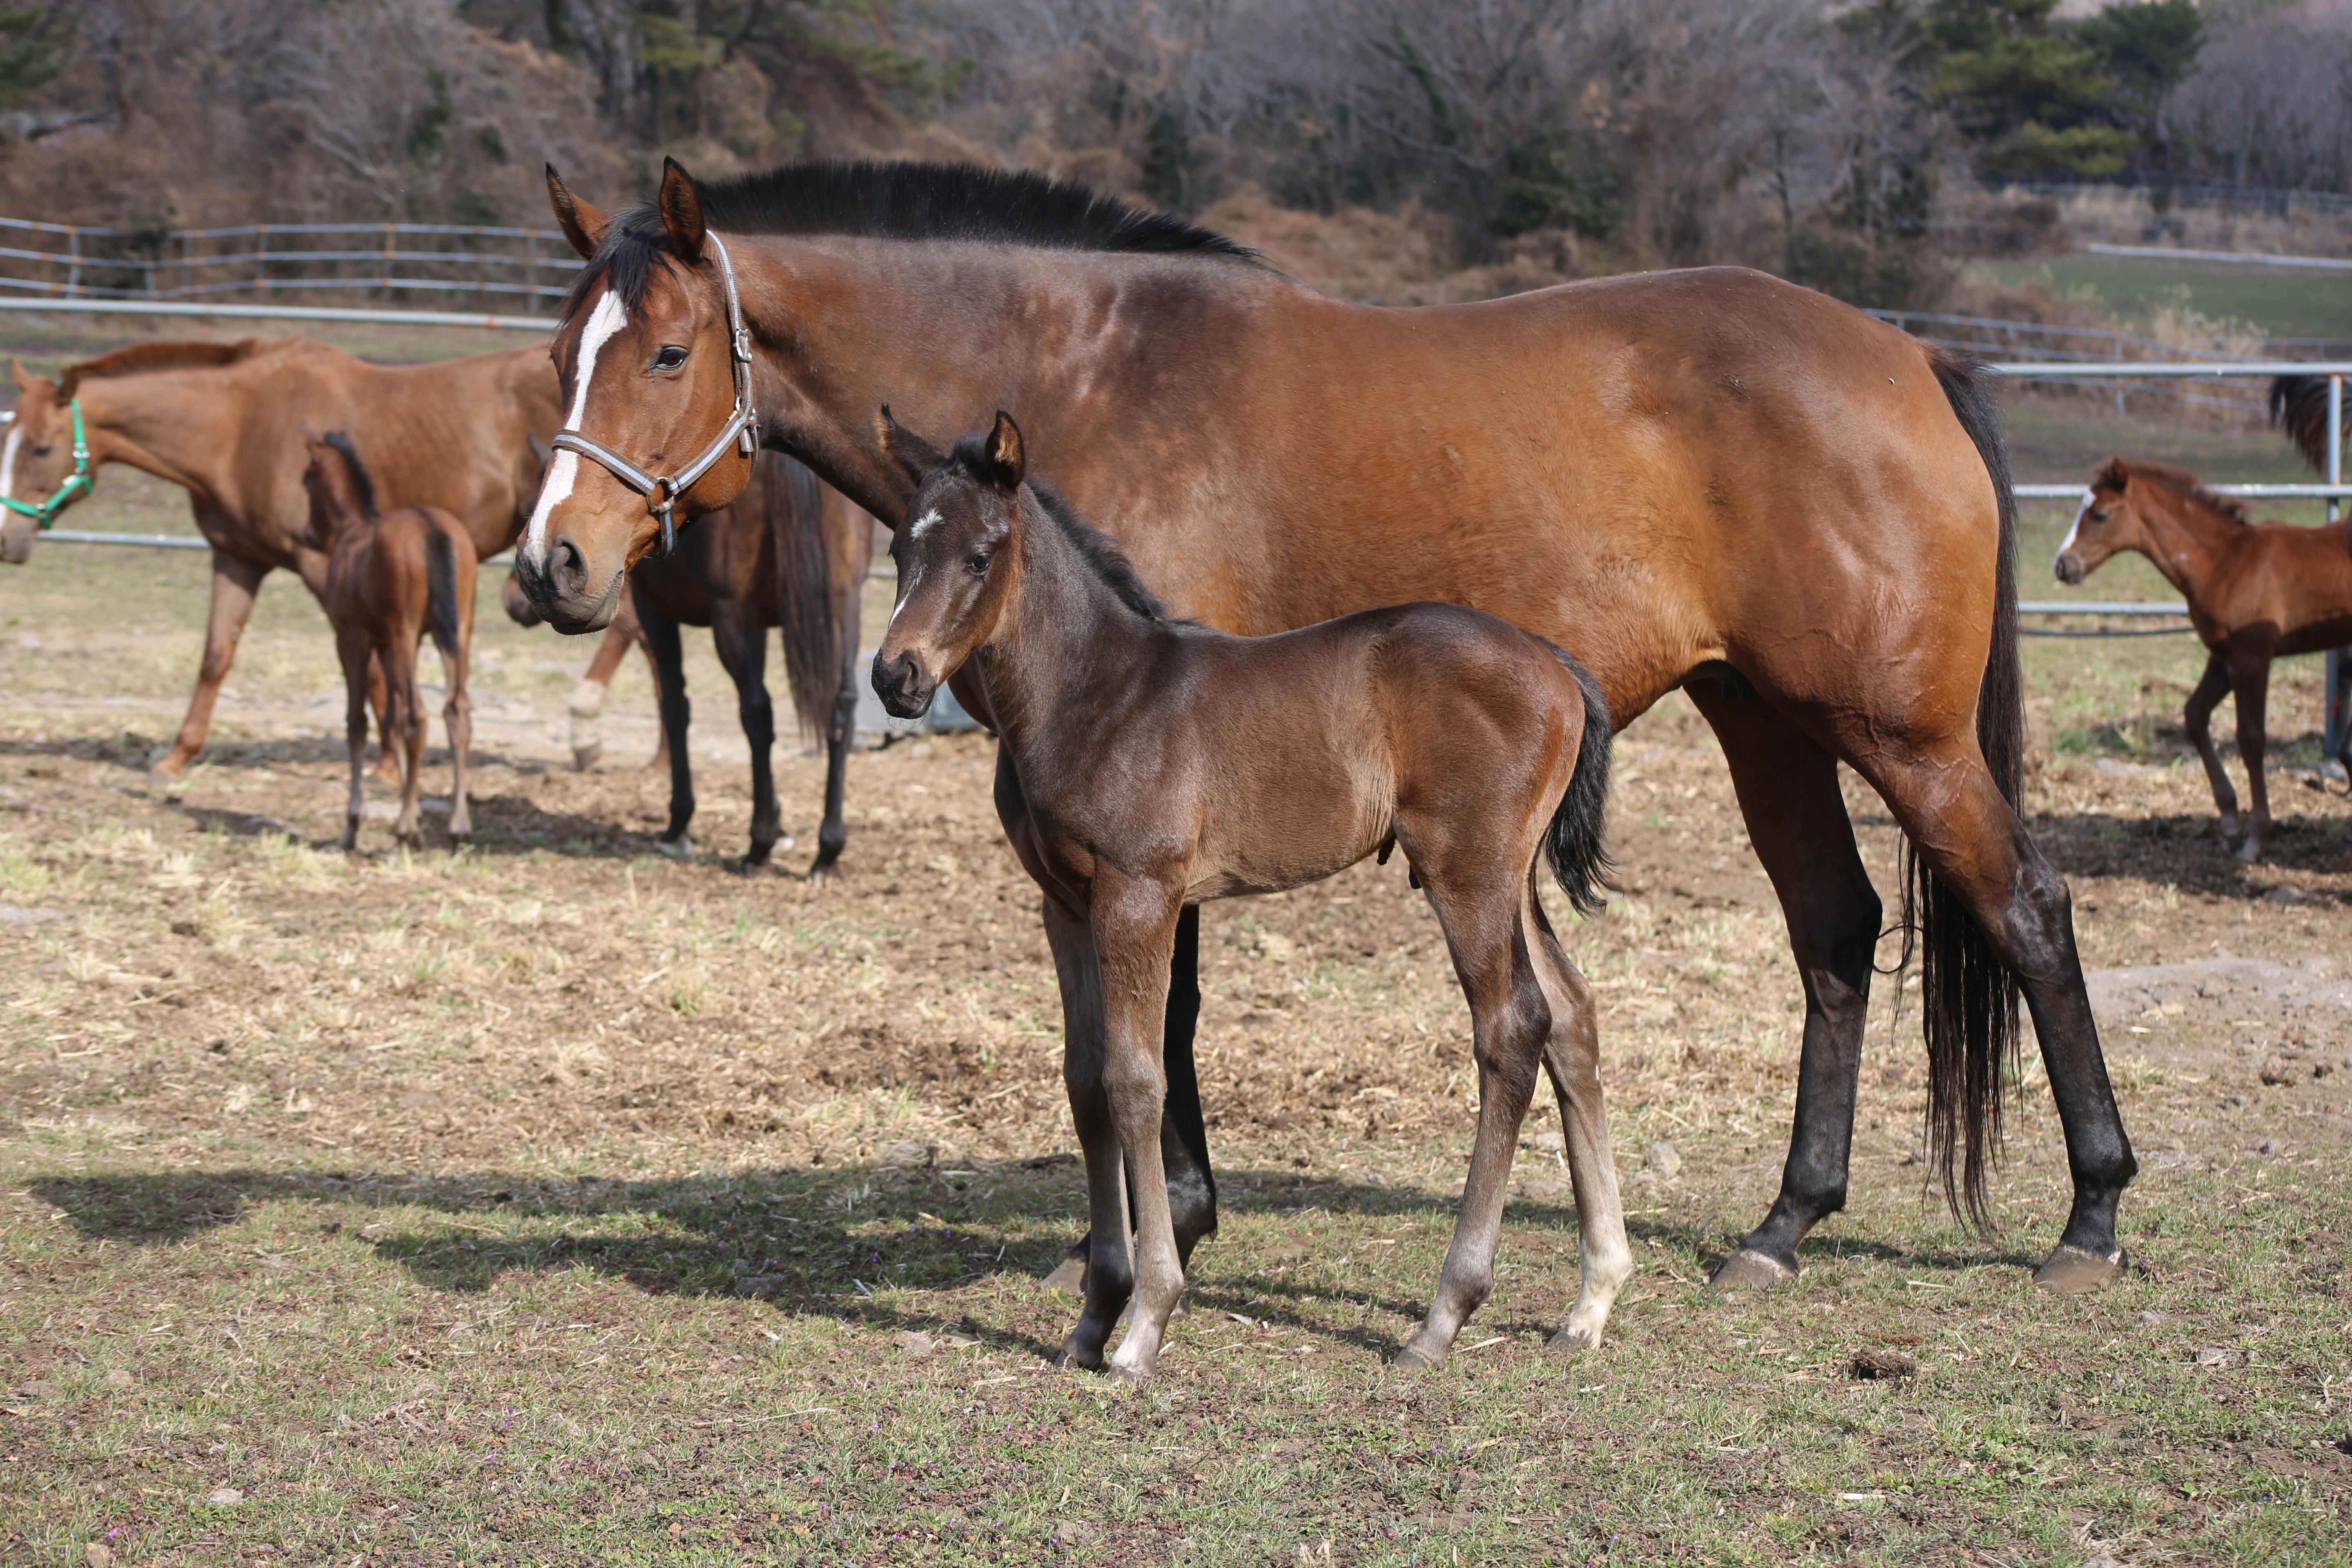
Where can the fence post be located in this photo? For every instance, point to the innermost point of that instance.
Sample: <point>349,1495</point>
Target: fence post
<point>260,256</point>
<point>2338,676</point>
<point>73,264</point>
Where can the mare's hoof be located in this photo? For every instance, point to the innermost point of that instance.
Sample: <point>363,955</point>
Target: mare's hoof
<point>824,870</point>
<point>748,867</point>
<point>1572,1341</point>
<point>2250,851</point>
<point>2074,1271</point>
<point>678,849</point>
<point>1069,1276</point>
<point>587,756</point>
<point>1747,1271</point>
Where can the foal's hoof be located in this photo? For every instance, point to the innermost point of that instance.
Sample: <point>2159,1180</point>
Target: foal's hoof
<point>1572,1340</point>
<point>1078,1356</point>
<point>1412,1357</point>
<point>2250,851</point>
<point>1069,1276</point>
<point>586,757</point>
<point>1747,1270</point>
<point>2076,1272</point>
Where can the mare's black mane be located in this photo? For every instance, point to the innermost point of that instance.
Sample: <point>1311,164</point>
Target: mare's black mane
<point>871,200</point>
<point>1103,557</point>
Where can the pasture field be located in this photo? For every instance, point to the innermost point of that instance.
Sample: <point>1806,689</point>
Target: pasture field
<point>2282,302</point>
<point>547,1201</point>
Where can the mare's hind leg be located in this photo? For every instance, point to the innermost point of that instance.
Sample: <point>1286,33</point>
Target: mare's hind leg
<point>1796,817</point>
<point>1977,846</point>
<point>2196,718</point>
<point>676,714</point>
<point>352,648</point>
<point>840,735</point>
<point>1511,1022</point>
<point>1572,1055</point>
<point>1109,1273</point>
<point>743,649</point>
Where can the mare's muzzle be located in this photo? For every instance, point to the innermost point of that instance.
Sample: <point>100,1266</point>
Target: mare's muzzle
<point>558,585</point>
<point>905,687</point>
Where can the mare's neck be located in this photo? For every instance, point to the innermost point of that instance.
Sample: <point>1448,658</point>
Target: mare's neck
<point>1062,642</point>
<point>166,423</point>
<point>2185,541</point>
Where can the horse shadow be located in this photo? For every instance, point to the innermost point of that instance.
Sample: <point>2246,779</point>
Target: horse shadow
<point>807,1242</point>
<point>2186,851</point>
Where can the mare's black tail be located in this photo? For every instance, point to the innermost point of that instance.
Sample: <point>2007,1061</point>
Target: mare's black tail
<point>2299,406</point>
<point>1967,996</point>
<point>441,590</point>
<point>1574,841</point>
<point>809,567</point>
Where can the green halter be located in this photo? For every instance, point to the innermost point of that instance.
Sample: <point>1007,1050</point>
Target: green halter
<point>45,512</point>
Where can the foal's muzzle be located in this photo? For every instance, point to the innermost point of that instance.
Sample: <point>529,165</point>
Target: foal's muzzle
<point>905,687</point>
<point>2070,570</point>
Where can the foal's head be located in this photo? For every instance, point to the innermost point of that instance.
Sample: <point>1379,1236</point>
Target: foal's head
<point>956,555</point>
<point>343,492</point>
<point>2112,516</point>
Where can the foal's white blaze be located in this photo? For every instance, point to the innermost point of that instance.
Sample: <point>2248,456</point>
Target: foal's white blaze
<point>922,522</point>
<point>2072,528</point>
<point>608,319</point>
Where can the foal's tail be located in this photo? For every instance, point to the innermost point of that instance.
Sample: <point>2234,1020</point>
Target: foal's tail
<point>1573,842</point>
<point>441,590</point>
<point>1968,997</point>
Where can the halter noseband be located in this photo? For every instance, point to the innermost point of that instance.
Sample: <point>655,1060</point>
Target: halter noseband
<point>45,512</point>
<point>741,429</point>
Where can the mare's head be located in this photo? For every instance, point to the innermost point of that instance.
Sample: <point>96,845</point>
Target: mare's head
<point>36,461</point>
<point>645,357</point>
<point>343,492</point>
<point>2113,516</point>
<point>957,554</point>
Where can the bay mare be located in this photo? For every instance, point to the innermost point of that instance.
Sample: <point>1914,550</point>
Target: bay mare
<point>791,551</point>
<point>1709,479</point>
<point>230,423</point>
<point>2256,591</point>
<point>1164,764</point>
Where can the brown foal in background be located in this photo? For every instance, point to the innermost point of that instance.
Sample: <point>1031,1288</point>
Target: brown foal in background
<point>393,577</point>
<point>2256,591</point>
<point>1161,764</point>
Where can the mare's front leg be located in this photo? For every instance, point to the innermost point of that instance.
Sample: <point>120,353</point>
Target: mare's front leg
<point>2196,718</point>
<point>234,584</point>
<point>1572,1055</point>
<point>743,650</point>
<point>1509,1021</point>
<point>1110,1269</point>
<point>1796,817</point>
<point>676,714</point>
<point>352,649</point>
<point>2249,676</point>
<point>1134,928</point>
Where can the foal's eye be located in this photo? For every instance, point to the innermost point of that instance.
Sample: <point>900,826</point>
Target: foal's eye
<point>2098,514</point>
<point>979,563</point>
<point>670,358</point>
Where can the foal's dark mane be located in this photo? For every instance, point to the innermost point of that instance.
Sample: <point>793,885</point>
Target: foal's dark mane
<point>871,200</point>
<point>362,481</point>
<point>2181,482</point>
<point>1102,556</point>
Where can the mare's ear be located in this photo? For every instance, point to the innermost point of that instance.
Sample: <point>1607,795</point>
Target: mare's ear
<point>916,458</point>
<point>581,224</point>
<point>681,210</point>
<point>1007,462</point>
<point>2112,476</point>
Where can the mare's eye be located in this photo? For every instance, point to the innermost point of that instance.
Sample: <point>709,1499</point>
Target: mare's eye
<point>43,450</point>
<point>670,358</point>
<point>979,565</point>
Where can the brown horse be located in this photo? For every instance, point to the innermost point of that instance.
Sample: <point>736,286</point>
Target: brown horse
<point>1163,764</point>
<point>1709,480</point>
<point>393,577</point>
<point>227,421</point>
<point>2256,591</point>
<point>790,552</point>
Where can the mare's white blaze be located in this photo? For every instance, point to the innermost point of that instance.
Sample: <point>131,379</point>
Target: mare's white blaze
<point>8,458</point>
<point>608,319</point>
<point>2072,528</point>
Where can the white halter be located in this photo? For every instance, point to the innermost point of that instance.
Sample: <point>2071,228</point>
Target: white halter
<point>741,429</point>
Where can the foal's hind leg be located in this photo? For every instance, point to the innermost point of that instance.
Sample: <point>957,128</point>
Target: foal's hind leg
<point>1511,1022</point>
<point>405,728</point>
<point>2250,673</point>
<point>352,648</point>
<point>2196,718</point>
<point>457,717</point>
<point>1572,1054</point>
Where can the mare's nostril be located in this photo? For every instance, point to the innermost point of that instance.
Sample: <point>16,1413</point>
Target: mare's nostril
<point>567,567</point>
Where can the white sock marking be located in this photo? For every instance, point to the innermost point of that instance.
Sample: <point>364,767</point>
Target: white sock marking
<point>606,319</point>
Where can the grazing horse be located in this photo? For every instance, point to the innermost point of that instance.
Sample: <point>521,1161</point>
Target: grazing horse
<point>392,578</point>
<point>791,551</point>
<point>2256,591</point>
<point>1163,764</point>
<point>227,422</point>
<point>1709,480</point>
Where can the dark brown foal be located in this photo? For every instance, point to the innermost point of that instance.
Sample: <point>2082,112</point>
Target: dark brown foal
<point>1160,763</point>
<point>392,578</point>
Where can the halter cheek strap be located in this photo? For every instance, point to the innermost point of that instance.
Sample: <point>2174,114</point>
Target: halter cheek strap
<point>45,512</point>
<point>741,430</point>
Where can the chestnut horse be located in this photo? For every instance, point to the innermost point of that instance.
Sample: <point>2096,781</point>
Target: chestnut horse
<point>1164,764</point>
<point>225,422</point>
<point>392,578</point>
<point>1709,480</point>
<point>2256,591</point>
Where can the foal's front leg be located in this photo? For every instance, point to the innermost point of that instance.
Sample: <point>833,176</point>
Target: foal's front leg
<point>1110,1270</point>
<point>1134,927</point>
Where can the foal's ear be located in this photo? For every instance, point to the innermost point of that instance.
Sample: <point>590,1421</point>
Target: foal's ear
<point>1005,461</point>
<point>681,210</point>
<point>2112,476</point>
<point>916,458</point>
<point>581,224</point>
<point>23,381</point>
